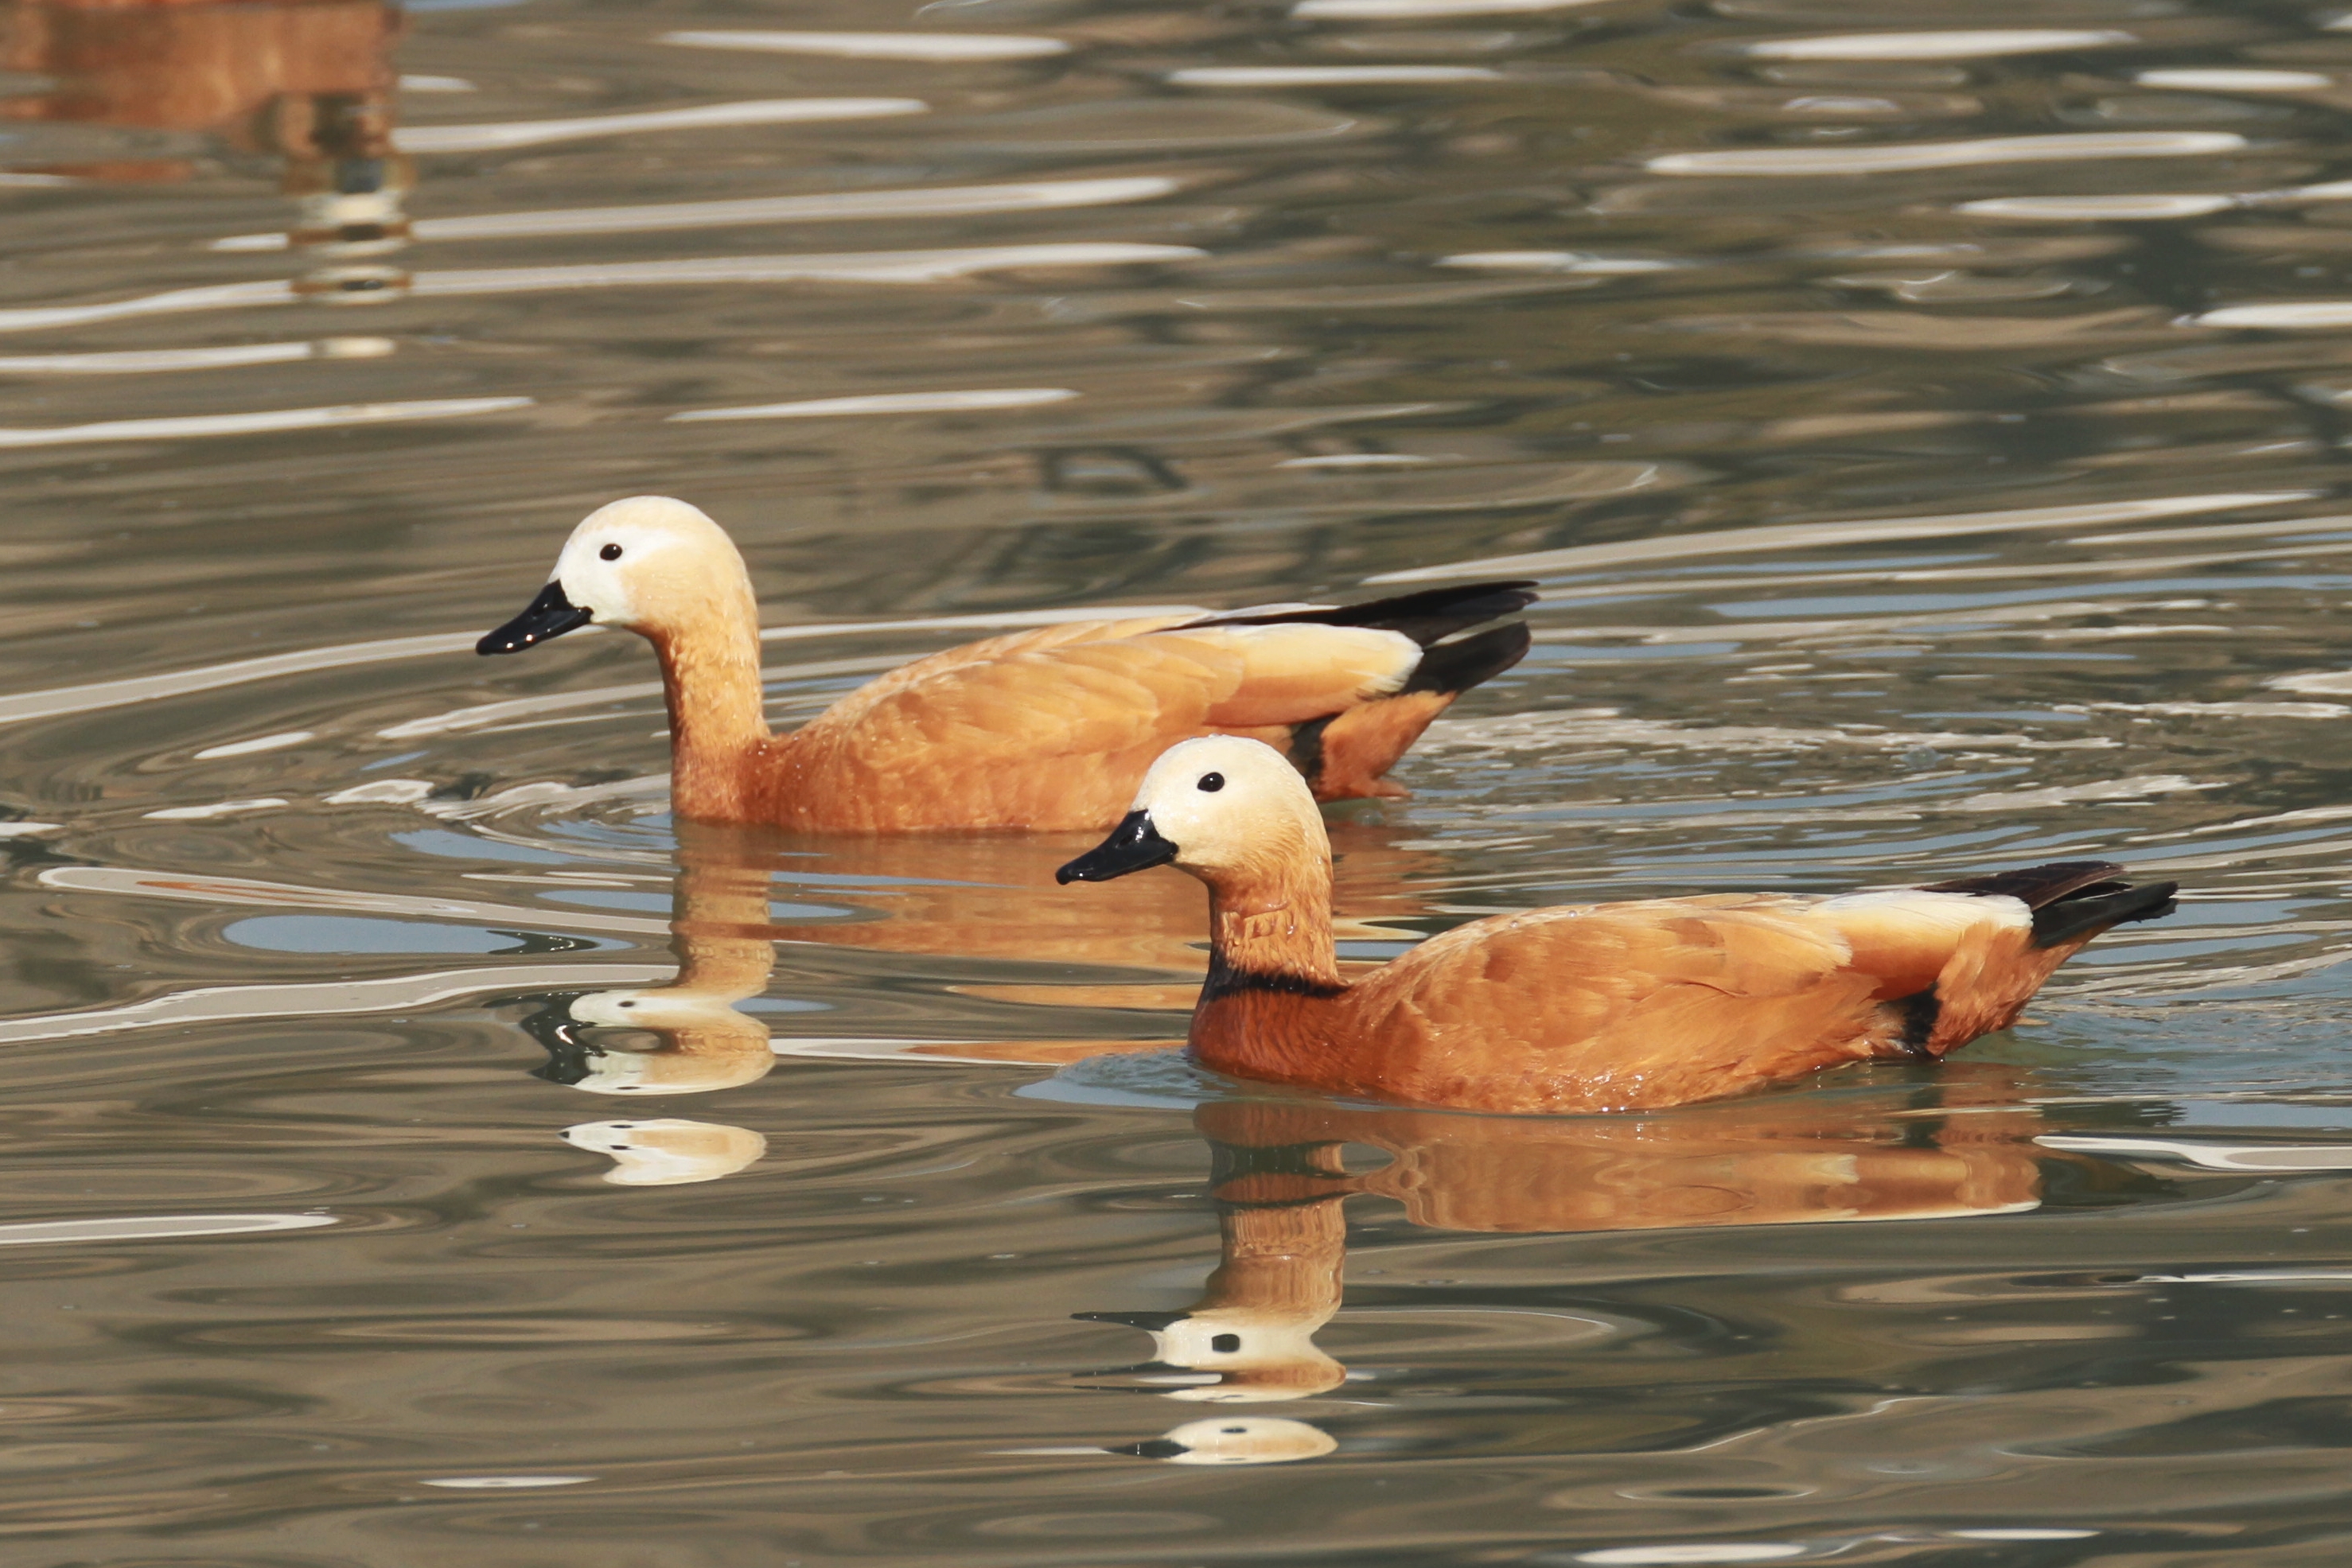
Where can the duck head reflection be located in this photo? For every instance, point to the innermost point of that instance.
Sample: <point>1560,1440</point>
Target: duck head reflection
<point>1251,1336</point>
<point>1236,1440</point>
<point>1960,1147</point>
<point>667,1151</point>
<point>718,929</point>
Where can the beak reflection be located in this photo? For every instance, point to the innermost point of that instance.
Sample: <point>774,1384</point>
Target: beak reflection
<point>719,928</point>
<point>1279,1183</point>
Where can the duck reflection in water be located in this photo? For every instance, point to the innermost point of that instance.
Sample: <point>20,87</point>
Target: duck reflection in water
<point>720,931</point>
<point>723,930</point>
<point>983,896</point>
<point>1279,1184</point>
<point>310,81</point>
<point>668,1151</point>
<point>978,896</point>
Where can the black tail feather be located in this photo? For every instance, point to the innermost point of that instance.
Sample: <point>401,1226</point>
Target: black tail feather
<point>2094,910</point>
<point>2034,885</point>
<point>2071,899</point>
<point>1424,617</point>
<point>1458,665</point>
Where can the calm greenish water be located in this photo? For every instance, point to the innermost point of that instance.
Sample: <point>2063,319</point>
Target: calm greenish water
<point>1927,421</point>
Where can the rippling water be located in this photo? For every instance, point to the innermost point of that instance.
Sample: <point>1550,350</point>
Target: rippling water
<point>1927,420</point>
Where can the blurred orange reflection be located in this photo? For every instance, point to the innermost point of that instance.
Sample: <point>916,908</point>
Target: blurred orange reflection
<point>994,896</point>
<point>309,81</point>
<point>1790,1159</point>
<point>718,927</point>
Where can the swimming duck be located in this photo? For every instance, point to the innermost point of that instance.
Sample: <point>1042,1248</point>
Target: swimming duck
<point>1582,1008</point>
<point>1045,730</point>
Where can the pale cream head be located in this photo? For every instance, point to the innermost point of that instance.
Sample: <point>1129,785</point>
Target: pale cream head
<point>666,1007</point>
<point>1246,1440</point>
<point>1230,805</point>
<point>673,1071</point>
<point>668,1151</point>
<point>707,1044</point>
<point>1258,1354</point>
<point>647,563</point>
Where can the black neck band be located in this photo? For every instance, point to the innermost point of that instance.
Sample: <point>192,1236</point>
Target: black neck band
<point>1228,980</point>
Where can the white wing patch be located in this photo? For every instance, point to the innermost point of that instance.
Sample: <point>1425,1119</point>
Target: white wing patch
<point>1913,908</point>
<point>1381,661</point>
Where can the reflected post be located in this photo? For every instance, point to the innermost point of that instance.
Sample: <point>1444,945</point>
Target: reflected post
<point>309,81</point>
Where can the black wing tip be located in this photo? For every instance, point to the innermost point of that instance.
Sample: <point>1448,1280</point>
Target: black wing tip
<point>2034,885</point>
<point>1424,616</point>
<point>2071,899</point>
<point>1436,613</point>
<point>1456,666</point>
<point>2101,908</point>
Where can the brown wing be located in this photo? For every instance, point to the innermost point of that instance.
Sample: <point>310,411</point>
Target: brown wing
<point>1054,728</point>
<point>1041,639</point>
<point>1615,1007</point>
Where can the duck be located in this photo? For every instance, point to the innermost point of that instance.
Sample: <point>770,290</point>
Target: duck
<point>1043,729</point>
<point>1580,1008</point>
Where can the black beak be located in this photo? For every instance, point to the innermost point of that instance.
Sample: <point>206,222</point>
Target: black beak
<point>1134,845</point>
<point>1151,1449</point>
<point>550,615</point>
<point>553,1026</point>
<point>1150,1322</point>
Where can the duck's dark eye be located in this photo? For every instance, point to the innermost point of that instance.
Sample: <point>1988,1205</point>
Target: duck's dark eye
<point>1225,1344</point>
<point>611,553</point>
<point>1211,782</point>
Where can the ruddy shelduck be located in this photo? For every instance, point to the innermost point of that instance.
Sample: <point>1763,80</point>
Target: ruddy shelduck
<point>1045,730</point>
<point>1582,1008</point>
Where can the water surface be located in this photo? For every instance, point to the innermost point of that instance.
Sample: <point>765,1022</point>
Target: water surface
<point>1927,420</point>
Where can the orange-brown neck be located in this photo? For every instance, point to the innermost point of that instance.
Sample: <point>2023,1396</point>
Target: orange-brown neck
<point>1273,922</point>
<point>1274,974</point>
<point>710,678</point>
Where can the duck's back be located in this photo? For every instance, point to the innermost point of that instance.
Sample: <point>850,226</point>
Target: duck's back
<point>1623,1005</point>
<point>1615,1007</point>
<point>1052,730</point>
